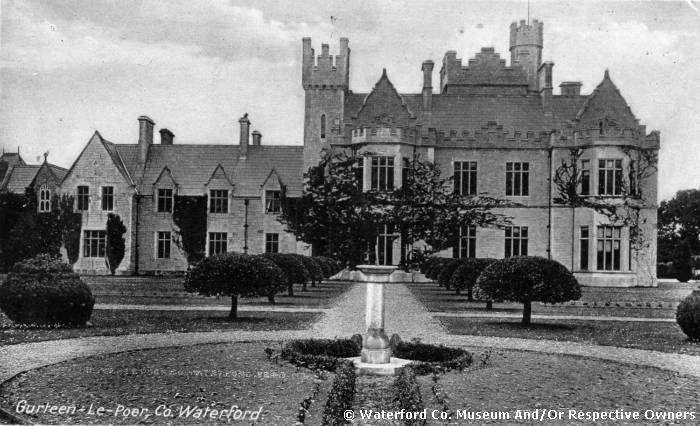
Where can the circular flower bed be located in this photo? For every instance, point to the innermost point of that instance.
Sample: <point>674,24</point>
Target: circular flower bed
<point>328,354</point>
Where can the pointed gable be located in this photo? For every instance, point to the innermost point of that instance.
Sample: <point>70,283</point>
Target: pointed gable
<point>218,178</point>
<point>97,154</point>
<point>273,181</point>
<point>606,107</point>
<point>384,106</point>
<point>165,179</point>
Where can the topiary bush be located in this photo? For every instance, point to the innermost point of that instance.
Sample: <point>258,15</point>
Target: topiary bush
<point>341,395</point>
<point>271,277</point>
<point>407,397</point>
<point>435,267</point>
<point>432,358</point>
<point>326,268</point>
<point>466,274</point>
<point>45,291</point>
<point>527,279</point>
<point>315,272</point>
<point>230,274</point>
<point>688,316</point>
<point>293,269</point>
<point>448,268</point>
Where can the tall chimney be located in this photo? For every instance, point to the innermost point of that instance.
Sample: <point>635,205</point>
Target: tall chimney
<point>427,69</point>
<point>545,85</point>
<point>257,137</point>
<point>245,127</point>
<point>145,137</point>
<point>166,137</point>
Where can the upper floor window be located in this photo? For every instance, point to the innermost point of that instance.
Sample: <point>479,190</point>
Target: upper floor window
<point>608,247</point>
<point>466,245</point>
<point>382,173</point>
<point>585,177</point>
<point>44,199</point>
<point>323,126</point>
<point>610,177</point>
<point>94,243</point>
<point>516,241</point>
<point>163,247</point>
<point>272,243</point>
<point>465,177</point>
<point>405,170</point>
<point>273,202</point>
<point>218,243</point>
<point>165,200</point>
<point>518,179</point>
<point>107,198</point>
<point>83,197</point>
<point>218,201</point>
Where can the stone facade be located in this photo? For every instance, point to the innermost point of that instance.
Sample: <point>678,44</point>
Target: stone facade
<point>497,116</point>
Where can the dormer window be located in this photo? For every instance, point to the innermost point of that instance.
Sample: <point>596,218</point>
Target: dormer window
<point>273,202</point>
<point>44,199</point>
<point>165,200</point>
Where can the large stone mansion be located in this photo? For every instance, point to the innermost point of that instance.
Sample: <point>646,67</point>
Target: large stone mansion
<point>499,129</point>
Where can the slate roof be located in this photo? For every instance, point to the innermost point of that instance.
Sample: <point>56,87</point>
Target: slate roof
<point>191,166</point>
<point>19,177</point>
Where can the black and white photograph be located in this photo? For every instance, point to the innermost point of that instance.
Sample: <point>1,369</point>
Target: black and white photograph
<point>325,212</point>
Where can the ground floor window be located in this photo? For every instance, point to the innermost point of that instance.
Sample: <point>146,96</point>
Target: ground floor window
<point>163,247</point>
<point>385,245</point>
<point>272,243</point>
<point>516,241</point>
<point>218,243</point>
<point>466,244</point>
<point>584,244</point>
<point>608,247</point>
<point>94,243</point>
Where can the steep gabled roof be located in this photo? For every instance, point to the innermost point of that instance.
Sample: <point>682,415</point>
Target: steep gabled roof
<point>606,104</point>
<point>18,178</point>
<point>218,171</point>
<point>111,150</point>
<point>287,161</point>
<point>384,105</point>
<point>165,172</point>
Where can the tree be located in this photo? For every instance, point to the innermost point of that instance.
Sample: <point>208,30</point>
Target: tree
<point>12,207</point>
<point>466,275</point>
<point>234,275</point>
<point>335,213</point>
<point>70,223</point>
<point>682,265</point>
<point>294,270</point>
<point>190,218</point>
<point>528,279</point>
<point>679,220</point>
<point>115,242</point>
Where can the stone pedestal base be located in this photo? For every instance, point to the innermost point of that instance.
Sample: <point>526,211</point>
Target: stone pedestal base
<point>376,356</point>
<point>393,368</point>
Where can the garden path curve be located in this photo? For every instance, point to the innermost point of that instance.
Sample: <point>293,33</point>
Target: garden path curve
<point>405,316</point>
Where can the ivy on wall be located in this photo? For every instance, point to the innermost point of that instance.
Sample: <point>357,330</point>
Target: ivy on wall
<point>190,217</point>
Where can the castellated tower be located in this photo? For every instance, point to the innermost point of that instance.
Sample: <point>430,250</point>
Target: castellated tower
<point>526,43</point>
<point>325,80</point>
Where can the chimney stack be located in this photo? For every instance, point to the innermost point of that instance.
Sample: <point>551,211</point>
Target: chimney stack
<point>145,137</point>
<point>570,88</point>
<point>545,85</point>
<point>257,138</point>
<point>245,128</point>
<point>427,69</point>
<point>166,137</point>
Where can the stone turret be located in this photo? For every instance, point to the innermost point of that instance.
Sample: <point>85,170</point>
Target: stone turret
<point>526,42</point>
<point>325,71</point>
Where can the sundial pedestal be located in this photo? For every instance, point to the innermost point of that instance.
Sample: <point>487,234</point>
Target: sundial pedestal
<point>375,358</point>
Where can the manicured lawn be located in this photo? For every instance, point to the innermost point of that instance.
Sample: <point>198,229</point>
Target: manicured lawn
<point>116,322</point>
<point>437,299</point>
<point>321,296</point>
<point>204,376</point>
<point>658,336</point>
<point>513,381</point>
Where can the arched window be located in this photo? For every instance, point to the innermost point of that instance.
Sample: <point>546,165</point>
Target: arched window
<point>44,199</point>
<point>323,126</point>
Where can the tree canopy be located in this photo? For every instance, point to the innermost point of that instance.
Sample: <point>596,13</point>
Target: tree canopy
<point>679,219</point>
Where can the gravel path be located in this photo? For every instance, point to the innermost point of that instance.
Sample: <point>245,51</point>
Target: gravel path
<point>405,316</point>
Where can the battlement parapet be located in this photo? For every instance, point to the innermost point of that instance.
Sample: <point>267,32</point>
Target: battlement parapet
<point>325,71</point>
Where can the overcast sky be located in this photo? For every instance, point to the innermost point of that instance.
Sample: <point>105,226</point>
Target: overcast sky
<point>68,68</point>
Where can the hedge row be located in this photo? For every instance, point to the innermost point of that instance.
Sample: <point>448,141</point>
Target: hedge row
<point>407,396</point>
<point>341,396</point>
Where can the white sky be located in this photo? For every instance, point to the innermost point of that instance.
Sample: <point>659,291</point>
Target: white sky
<point>70,67</point>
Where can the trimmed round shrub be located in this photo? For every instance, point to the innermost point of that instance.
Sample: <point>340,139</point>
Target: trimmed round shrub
<point>231,274</point>
<point>333,265</point>
<point>466,274</point>
<point>528,279</point>
<point>325,267</point>
<point>294,270</point>
<point>45,291</point>
<point>433,358</point>
<point>446,272</point>
<point>271,277</point>
<point>688,316</point>
<point>315,273</point>
<point>435,267</point>
<point>682,264</point>
<point>326,354</point>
